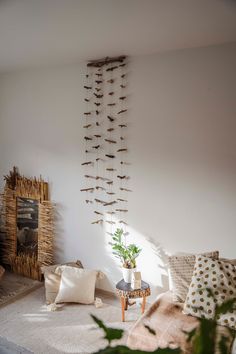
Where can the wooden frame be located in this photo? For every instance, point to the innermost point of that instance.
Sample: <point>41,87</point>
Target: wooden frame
<point>32,188</point>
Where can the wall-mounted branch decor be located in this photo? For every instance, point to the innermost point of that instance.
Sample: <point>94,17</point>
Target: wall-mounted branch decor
<point>106,152</point>
<point>28,223</point>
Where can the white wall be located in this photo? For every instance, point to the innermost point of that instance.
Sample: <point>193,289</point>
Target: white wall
<point>182,139</point>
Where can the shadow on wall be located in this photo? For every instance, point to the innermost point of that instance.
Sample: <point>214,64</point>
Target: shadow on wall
<point>152,262</point>
<point>59,232</point>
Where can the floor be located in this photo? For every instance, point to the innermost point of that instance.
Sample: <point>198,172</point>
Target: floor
<point>28,327</point>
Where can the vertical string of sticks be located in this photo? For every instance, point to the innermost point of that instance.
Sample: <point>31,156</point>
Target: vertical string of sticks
<point>105,146</point>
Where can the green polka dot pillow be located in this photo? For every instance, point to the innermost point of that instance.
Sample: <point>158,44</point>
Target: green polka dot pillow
<point>218,276</point>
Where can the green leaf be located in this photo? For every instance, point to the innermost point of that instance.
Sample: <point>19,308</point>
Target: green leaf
<point>223,347</point>
<point>227,306</point>
<point>121,349</point>
<point>110,333</point>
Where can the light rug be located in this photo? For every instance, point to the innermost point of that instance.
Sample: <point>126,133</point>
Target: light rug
<point>14,286</point>
<point>27,323</point>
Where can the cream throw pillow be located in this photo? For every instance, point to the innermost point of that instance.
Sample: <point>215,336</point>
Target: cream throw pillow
<point>220,278</point>
<point>181,271</point>
<point>77,285</point>
<point>52,279</point>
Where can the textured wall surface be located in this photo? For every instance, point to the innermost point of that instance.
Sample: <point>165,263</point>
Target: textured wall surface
<point>182,140</point>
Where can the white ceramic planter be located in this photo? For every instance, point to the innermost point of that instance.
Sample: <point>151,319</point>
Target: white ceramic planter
<point>127,274</point>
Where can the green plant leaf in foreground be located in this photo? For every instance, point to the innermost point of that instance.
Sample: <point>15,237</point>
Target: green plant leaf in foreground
<point>122,349</point>
<point>110,333</point>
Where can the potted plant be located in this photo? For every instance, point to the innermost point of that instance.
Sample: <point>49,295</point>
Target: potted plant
<point>127,254</point>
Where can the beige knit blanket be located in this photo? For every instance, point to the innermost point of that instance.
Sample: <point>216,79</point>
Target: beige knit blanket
<point>166,318</point>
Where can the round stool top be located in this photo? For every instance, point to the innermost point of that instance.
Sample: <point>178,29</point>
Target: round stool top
<point>125,289</point>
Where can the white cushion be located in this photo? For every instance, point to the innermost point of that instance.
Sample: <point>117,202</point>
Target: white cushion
<point>77,285</point>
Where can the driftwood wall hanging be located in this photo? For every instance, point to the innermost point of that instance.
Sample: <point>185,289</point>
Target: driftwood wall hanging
<point>27,222</point>
<point>105,122</point>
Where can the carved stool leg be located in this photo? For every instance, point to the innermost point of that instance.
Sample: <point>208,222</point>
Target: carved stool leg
<point>123,305</point>
<point>143,304</point>
<point>126,303</point>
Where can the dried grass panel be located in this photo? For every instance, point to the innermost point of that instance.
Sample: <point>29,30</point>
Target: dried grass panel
<point>27,266</point>
<point>45,233</point>
<point>9,216</point>
<point>31,188</point>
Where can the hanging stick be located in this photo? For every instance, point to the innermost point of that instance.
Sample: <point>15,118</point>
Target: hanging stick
<point>111,81</point>
<point>103,178</point>
<point>110,141</point>
<point>122,65</point>
<point>110,156</point>
<point>123,125</point>
<point>87,138</point>
<point>123,222</point>
<point>112,68</point>
<point>122,150</point>
<point>86,100</point>
<point>88,176</point>
<point>105,61</point>
<point>110,203</point>
<point>99,159</point>
<point>125,189</point>
<point>122,200</point>
<point>122,210</point>
<point>97,103</point>
<point>99,75</point>
<point>87,190</point>
<point>122,111</point>
<point>122,86</point>
<point>98,89</point>
<point>88,87</point>
<point>87,163</point>
<point>110,222</point>
<point>111,119</point>
<point>111,193</point>
<point>111,104</point>
<point>110,212</point>
<point>87,126</point>
<point>98,81</point>
<point>87,113</point>
<point>100,188</point>
<point>96,147</point>
<point>110,129</point>
<point>100,221</point>
<point>123,177</point>
<point>109,182</point>
<point>100,201</point>
<point>111,169</point>
<point>123,76</point>
<point>98,213</point>
<point>122,98</point>
<point>97,136</point>
<point>111,93</point>
<point>125,163</point>
<point>98,96</point>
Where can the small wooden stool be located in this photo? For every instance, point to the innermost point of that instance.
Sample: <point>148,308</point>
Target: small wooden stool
<point>125,292</point>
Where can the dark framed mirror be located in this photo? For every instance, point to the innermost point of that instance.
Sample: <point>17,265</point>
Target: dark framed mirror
<point>27,222</point>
